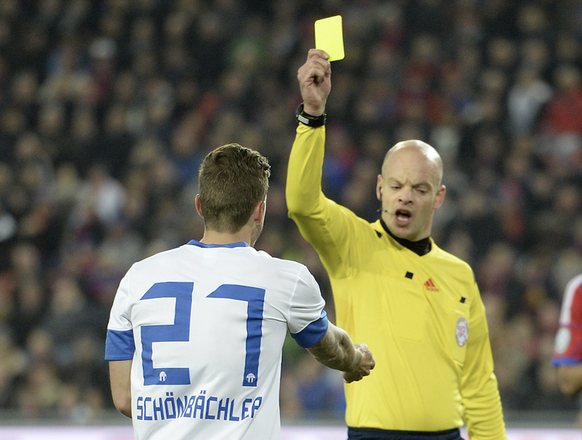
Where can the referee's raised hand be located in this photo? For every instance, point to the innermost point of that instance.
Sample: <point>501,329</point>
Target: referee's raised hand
<point>315,82</point>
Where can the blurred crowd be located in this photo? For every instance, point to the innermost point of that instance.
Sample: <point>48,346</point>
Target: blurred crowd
<point>108,106</point>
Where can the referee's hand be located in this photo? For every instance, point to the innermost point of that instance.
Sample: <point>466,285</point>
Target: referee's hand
<point>365,365</point>
<point>315,82</point>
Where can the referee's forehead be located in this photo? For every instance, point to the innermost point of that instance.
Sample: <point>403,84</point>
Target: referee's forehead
<point>415,154</point>
<point>410,163</point>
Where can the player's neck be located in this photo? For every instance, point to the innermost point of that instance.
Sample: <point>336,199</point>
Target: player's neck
<point>214,237</point>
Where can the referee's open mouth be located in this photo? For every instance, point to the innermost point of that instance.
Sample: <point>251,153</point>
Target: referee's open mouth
<point>402,216</point>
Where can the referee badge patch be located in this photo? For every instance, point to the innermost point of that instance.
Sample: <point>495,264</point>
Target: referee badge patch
<point>462,331</point>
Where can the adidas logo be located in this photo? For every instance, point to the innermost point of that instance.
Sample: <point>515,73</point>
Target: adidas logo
<point>430,285</point>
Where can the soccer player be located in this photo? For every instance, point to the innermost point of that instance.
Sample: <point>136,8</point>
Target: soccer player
<point>417,306</point>
<point>196,333</point>
<point>568,344</point>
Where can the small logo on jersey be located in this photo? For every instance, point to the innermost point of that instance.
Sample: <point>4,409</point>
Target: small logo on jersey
<point>430,285</point>
<point>562,340</point>
<point>163,376</point>
<point>250,378</point>
<point>462,331</point>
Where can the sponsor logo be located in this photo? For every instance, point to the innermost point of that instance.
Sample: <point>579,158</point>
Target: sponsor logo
<point>430,285</point>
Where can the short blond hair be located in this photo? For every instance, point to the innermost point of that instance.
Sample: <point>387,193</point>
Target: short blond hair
<point>231,181</point>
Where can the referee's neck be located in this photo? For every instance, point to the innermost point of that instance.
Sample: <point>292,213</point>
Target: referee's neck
<point>420,247</point>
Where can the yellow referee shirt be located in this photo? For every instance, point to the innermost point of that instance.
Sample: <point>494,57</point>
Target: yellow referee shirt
<point>421,316</point>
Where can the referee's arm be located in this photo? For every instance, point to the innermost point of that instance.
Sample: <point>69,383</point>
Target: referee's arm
<point>480,393</point>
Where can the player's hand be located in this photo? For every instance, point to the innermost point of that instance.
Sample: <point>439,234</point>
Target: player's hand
<point>315,82</point>
<point>365,365</point>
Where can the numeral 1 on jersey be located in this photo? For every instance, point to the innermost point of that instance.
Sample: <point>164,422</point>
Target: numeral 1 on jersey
<point>255,298</point>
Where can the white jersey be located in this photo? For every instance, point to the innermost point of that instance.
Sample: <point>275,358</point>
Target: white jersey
<point>205,326</point>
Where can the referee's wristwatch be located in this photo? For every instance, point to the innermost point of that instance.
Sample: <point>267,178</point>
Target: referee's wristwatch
<point>309,120</point>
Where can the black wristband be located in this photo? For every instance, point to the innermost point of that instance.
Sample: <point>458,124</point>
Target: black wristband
<point>309,120</point>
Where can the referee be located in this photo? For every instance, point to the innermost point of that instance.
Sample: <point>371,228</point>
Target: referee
<point>417,306</point>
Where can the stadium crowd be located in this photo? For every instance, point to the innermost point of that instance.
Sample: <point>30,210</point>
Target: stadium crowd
<point>108,106</point>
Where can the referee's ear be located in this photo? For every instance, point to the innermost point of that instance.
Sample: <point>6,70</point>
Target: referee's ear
<point>440,197</point>
<point>379,182</point>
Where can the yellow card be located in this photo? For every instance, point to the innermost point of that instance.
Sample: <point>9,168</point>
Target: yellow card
<point>329,37</point>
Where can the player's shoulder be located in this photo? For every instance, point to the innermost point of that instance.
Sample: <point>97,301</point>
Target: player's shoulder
<point>155,258</point>
<point>280,263</point>
<point>572,297</point>
<point>575,284</point>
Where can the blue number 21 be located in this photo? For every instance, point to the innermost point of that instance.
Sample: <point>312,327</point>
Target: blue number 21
<point>180,330</point>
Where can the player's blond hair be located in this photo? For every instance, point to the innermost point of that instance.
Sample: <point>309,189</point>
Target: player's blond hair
<point>231,181</point>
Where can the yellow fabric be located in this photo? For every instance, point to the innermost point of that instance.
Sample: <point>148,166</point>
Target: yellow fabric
<point>405,307</point>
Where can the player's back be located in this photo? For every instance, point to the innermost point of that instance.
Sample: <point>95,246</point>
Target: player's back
<point>209,323</point>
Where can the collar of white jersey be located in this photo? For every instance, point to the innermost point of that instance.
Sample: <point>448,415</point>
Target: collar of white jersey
<point>228,245</point>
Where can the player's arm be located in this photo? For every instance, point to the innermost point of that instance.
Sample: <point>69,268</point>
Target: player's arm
<point>336,350</point>
<point>570,379</point>
<point>567,352</point>
<point>120,377</point>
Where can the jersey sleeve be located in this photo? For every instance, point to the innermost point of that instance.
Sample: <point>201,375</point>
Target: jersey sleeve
<point>568,343</point>
<point>326,225</point>
<point>119,344</point>
<point>307,318</point>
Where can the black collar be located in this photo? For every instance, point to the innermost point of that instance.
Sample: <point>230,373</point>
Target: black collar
<point>420,247</point>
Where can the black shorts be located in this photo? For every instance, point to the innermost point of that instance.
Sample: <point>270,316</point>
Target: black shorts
<point>382,434</point>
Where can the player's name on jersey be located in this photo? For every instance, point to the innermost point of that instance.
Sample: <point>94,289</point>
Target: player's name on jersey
<point>202,406</point>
